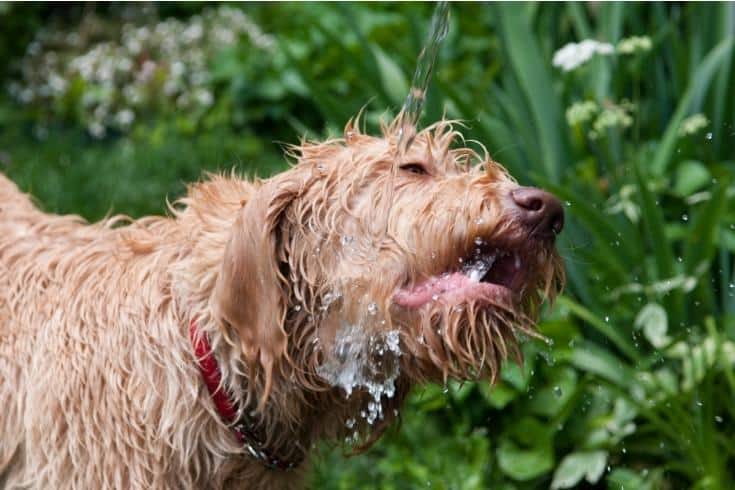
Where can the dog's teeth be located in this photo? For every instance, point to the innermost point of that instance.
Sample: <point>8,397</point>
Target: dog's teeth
<point>517,261</point>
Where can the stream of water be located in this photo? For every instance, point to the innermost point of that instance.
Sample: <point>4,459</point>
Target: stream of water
<point>422,77</point>
<point>411,110</point>
<point>349,363</point>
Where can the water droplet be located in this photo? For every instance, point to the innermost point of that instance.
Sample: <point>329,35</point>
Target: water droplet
<point>347,240</point>
<point>684,217</point>
<point>434,297</point>
<point>607,319</point>
<point>479,241</point>
<point>557,391</point>
<point>372,308</point>
<point>719,419</point>
<point>708,136</point>
<point>297,308</point>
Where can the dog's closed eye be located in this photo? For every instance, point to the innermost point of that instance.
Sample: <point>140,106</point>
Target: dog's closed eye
<point>414,168</point>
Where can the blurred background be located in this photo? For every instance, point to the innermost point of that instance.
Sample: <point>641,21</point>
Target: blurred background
<point>111,108</point>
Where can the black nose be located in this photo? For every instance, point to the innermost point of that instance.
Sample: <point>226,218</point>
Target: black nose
<point>541,211</point>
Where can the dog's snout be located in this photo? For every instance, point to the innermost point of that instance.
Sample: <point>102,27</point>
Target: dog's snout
<point>540,210</point>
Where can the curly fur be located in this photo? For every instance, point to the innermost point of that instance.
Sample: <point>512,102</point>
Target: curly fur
<point>98,381</point>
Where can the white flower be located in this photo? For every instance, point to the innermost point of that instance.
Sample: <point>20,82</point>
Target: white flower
<point>581,112</point>
<point>630,45</point>
<point>693,124</point>
<point>57,83</point>
<point>612,116</point>
<point>177,68</point>
<point>573,55</point>
<point>170,87</point>
<point>193,33</point>
<point>147,70</point>
<point>125,64</point>
<point>97,130</point>
<point>204,97</point>
<point>26,95</point>
<point>125,117</point>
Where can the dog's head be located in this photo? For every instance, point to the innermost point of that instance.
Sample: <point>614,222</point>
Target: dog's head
<point>359,266</point>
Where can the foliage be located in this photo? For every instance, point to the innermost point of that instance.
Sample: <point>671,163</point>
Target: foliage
<point>634,388</point>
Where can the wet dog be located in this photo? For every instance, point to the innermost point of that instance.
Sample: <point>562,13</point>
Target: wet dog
<point>214,347</point>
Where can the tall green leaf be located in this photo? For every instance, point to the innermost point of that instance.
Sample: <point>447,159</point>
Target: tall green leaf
<point>697,86</point>
<point>532,72</point>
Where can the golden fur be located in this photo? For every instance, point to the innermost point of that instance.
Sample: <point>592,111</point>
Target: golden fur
<point>99,387</point>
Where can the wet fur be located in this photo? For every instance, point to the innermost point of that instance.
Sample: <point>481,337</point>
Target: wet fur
<point>98,382</point>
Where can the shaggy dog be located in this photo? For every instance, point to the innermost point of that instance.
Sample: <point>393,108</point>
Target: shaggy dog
<point>213,348</point>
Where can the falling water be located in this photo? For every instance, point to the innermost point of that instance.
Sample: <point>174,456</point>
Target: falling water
<point>422,76</point>
<point>411,111</point>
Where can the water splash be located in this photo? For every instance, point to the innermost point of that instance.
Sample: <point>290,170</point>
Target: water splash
<point>364,360</point>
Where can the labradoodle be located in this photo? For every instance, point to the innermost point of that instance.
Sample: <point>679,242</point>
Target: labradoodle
<point>214,347</point>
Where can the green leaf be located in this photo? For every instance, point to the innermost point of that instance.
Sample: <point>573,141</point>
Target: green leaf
<point>613,250</point>
<point>394,81</point>
<point>525,464</point>
<point>460,391</point>
<point>653,220</point>
<point>623,478</point>
<point>575,466</point>
<point>497,396</point>
<point>700,245</point>
<point>697,87</point>
<point>550,400</point>
<point>691,176</point>
<point>532,73</point>
<point>604,328</point>
<point>652,319</point>
<point>517,376</point>
<point>593,359</point>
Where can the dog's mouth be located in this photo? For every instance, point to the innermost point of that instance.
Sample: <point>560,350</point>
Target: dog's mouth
<point>488,276</point>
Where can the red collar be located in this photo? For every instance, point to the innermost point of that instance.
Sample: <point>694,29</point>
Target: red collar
<point>244,429</point>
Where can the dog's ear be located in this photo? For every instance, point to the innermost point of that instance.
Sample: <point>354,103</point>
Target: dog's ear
<point>251,294</point>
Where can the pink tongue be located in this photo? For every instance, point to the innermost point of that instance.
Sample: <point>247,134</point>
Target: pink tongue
<point>433,288</point>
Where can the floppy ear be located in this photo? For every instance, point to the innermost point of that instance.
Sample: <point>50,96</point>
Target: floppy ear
<point>250,294</point>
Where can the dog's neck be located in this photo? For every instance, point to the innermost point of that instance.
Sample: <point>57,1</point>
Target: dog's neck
<point>244,428</point>
<point>295,417</point>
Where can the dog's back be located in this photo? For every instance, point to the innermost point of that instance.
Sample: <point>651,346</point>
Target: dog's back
<point>97,389</point>
<point>16,214</point>
<point>63,285</point>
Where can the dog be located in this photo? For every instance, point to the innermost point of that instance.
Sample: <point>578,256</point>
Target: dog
<point>215,346</point>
